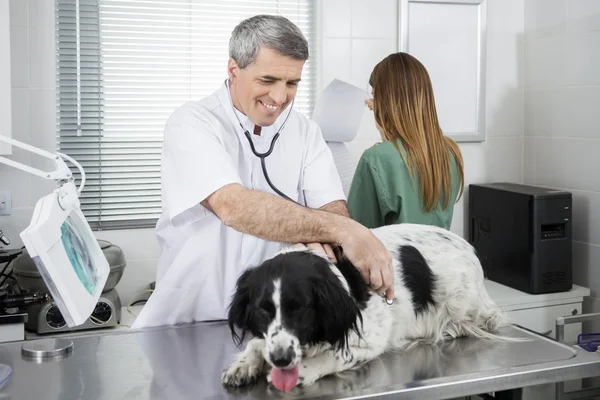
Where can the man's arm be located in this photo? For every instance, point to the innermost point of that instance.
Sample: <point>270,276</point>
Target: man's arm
<point>272,218</point>
<point>275,219</point>
<point>339,207</point>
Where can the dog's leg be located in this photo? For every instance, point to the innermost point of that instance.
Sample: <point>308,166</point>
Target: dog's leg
<point>247,367</point>
<point>331,362</point>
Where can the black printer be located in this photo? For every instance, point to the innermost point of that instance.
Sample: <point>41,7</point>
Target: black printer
<point>522,235</point>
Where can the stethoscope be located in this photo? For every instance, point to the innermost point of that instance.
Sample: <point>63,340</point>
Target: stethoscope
<point>264,155</point>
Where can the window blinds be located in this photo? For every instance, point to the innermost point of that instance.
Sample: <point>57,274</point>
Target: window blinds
<point>124,66</point>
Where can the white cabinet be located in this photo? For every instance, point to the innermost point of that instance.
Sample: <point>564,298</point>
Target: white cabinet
<point>539,312</point>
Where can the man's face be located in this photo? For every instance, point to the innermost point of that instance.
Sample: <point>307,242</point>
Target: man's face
<point>264,89</point>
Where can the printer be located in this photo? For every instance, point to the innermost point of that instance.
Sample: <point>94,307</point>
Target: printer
<point>522,235</point>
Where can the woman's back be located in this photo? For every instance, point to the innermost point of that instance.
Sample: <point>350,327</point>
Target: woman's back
<point>383,193</point>
<point>416,174</point>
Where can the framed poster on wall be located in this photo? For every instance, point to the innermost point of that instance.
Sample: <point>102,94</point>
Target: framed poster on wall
<point>449,38</point>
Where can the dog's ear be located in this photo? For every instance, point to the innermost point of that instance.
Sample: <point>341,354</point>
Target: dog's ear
<point>338,314</point>
<point>238,309</point>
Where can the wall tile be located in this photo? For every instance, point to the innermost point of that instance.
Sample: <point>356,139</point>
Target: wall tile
<point>546,62</point>
<point>583,55</point>
<point>337,18</point>
<point>374,21</point>
<point>19,56</point>
<point>583,116</point>
<point>41,13</point>
<point>366,53</point>
<point>15,180</point>
<point>529,155</point>
<point>530,10</point>
<point>551,112</point>
<point>583,16</point>
<point>568,163</point>
<point>18,12</point>
<point>20,114</point>
<point>503,159</point>
<point>504,112</point>
<point>586,216</point>
<point>586,259</point>
<point>337,58</point>
<point>41,57</point>
<point>42,108</point>
<point>551,17</point>
<point>529,108</point>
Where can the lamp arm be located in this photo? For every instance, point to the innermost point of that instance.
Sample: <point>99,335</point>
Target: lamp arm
<point>61,171</point>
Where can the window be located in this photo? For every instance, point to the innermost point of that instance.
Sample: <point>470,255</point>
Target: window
<point>123,66</point>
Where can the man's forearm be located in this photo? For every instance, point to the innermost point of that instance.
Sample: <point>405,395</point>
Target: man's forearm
<point>339,207</point>
<point>272,218</point>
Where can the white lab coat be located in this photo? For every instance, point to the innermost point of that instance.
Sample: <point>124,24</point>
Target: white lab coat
<point>204,149</point>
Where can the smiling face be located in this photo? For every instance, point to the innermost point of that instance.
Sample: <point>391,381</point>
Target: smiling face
<point>264,89</point>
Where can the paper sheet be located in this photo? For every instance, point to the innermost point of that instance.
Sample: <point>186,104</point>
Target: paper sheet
<point>345,163</point>
<point>339,110</point>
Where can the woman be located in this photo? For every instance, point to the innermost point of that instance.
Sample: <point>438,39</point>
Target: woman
<point>416,174</point>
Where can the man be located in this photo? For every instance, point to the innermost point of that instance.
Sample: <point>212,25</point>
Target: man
<point>220,215</point>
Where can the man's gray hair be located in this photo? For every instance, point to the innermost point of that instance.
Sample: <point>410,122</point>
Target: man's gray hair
<point>271,31</point>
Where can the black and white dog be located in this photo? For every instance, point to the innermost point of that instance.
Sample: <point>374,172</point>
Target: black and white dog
<point>310,318</point>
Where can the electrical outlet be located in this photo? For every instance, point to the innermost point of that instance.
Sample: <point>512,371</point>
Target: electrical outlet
<point>5,203</point>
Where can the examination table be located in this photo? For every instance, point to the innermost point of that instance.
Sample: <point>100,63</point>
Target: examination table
<point>185,362</point>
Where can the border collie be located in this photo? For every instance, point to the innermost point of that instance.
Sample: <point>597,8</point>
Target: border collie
<point>310,318</point>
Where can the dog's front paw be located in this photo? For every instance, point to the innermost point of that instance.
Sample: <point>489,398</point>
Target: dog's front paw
<point>241,373</point>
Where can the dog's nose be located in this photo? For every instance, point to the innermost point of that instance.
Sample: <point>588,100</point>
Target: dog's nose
<point>281,358</point>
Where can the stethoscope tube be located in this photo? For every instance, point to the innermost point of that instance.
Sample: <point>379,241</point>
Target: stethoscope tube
<point>262,156</point>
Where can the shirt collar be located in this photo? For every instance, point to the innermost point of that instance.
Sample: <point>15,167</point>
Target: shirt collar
<point>267,132</point>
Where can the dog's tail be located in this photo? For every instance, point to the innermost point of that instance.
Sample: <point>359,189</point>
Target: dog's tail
<point>486,325</point>
<point>472,329</point>
<point>485,320</point>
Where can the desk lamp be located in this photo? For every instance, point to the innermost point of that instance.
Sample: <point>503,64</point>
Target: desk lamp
<point>63,247</point>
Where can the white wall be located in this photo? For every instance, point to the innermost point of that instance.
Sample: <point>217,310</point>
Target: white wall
<point>562,119</point>
<point>5,81</point>
<point>355,36</point>
<point>358,34</point>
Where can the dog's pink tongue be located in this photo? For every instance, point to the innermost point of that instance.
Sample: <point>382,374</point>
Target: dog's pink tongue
<point>285,379</point>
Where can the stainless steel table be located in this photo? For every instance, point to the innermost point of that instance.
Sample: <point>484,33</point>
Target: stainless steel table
<point>185,362</point>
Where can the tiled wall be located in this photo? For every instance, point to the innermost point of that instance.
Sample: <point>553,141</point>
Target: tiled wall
<point>355,36</point>
<point>562,118</point>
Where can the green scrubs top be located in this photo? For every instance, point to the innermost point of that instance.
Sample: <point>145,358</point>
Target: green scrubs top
<point>382,192</point>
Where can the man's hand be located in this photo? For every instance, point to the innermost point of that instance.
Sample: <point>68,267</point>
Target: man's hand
<point>372,259</point>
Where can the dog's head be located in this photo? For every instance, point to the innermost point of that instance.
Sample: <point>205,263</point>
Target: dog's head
<point>292,300</point>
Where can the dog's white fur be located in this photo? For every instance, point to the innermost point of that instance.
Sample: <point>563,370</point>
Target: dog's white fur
<point>464,308</point>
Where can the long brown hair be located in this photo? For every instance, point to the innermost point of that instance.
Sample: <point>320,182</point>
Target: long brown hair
<point>404,108</point>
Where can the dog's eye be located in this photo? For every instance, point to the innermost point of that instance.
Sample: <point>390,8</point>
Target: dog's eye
<point>264,311</point>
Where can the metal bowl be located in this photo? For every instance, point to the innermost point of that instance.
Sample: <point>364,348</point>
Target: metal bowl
<point>28,277</point>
